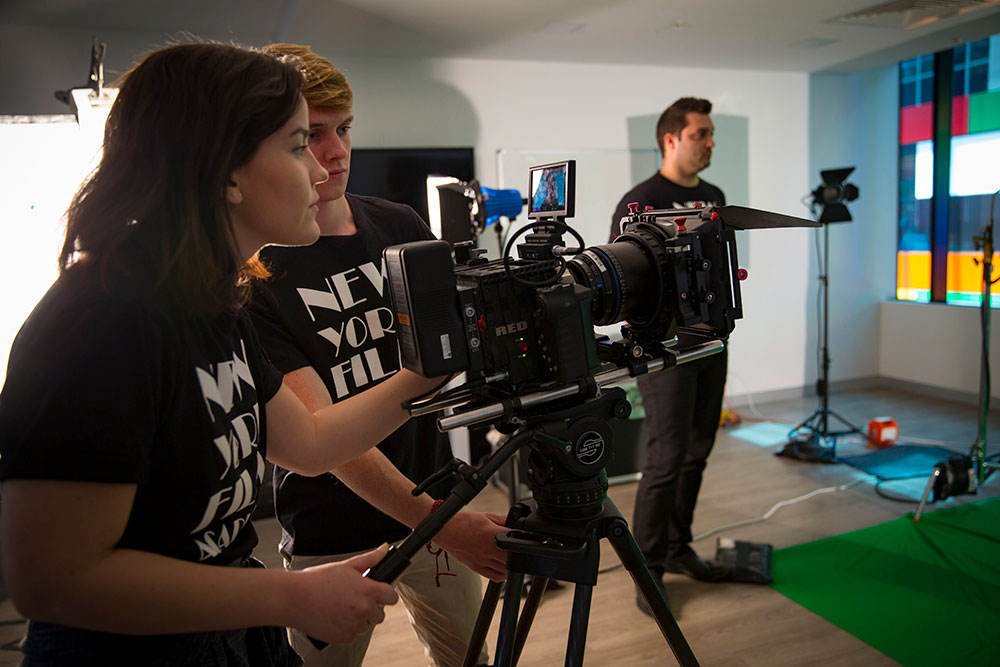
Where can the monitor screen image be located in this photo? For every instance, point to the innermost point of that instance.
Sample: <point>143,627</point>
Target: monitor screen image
<point>551,187</point>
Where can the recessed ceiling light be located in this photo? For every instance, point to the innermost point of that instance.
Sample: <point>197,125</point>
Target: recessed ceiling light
<point>909,14</point>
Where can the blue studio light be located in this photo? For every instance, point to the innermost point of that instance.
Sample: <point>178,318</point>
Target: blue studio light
<point>501,204</point>
<point>460,211</point>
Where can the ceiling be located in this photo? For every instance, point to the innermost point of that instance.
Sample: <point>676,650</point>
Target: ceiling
<point>782,35</point>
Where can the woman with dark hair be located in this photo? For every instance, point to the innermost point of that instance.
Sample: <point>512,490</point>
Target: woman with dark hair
<point>138,406</point>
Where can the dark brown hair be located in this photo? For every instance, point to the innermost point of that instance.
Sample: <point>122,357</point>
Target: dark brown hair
<point>185,117</point>
<point>674,118</point>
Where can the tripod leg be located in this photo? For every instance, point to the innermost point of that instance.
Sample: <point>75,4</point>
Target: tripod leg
<point>508,619</point>
<point>851,428</point>
<point>486,611</point>
<point>578,624</point>
<point>804,423</point>
<point>531,602</point>
<point>854,429</point>
<point>628,552</point>
<point>927,490</point>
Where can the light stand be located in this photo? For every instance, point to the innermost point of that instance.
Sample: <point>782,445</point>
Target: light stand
<point>983,467</point>
<point>819,443</point>
<point>965,474</point>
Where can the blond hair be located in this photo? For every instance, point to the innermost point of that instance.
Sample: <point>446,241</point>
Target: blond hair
<point>326,86</point>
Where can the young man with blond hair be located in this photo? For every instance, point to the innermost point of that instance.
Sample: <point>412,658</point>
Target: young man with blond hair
<point>326,322</point>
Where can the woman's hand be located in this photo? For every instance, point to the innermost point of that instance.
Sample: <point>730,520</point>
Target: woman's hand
<point>337,603</point>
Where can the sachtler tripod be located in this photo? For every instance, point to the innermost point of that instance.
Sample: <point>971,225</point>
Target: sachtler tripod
<point>556,535</point>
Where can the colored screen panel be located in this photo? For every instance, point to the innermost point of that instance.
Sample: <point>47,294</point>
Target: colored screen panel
<point>916,166</point>
<point>974,175</point>
<point>973,178</point>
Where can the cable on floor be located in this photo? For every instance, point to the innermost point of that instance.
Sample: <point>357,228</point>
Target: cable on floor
<point>893,497</point>
<point>777,506</point>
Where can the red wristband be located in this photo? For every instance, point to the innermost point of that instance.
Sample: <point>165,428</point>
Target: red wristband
<point>437,504</point>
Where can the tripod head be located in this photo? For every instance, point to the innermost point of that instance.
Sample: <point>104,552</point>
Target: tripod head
<point>569,451</point>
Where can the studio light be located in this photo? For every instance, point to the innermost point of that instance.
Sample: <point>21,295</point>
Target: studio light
<point>92,102</point>
<point>832,194</point>
<point>955,477</point>
<point>460,211</point>
<point>813,439</point>
<point>92,108</point>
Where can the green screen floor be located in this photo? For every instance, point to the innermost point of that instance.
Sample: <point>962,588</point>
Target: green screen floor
<point>923,593</point>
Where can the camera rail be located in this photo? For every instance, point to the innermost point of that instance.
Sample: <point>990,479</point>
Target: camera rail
<point>494,411</point>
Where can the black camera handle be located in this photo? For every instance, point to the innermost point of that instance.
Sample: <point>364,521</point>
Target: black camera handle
<point>470,481</point>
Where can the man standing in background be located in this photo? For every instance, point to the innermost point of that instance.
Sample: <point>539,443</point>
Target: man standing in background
<point>683,404</point>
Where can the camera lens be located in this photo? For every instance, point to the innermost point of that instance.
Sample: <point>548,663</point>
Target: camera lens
<point>624,279</point>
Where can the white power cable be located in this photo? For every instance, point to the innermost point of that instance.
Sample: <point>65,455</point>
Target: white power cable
<point>779,505</point>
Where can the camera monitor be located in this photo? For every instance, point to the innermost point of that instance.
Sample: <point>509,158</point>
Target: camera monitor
<point>551,190</point>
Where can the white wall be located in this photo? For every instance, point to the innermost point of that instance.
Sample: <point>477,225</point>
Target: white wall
<point>854,122</point>
<point>934,344</point>
<point>496,105</point>
<point>493,105</point>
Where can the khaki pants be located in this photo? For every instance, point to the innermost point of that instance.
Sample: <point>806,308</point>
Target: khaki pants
<point>442,599</point>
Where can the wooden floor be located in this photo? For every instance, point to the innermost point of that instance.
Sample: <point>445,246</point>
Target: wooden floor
<point>725,623</point>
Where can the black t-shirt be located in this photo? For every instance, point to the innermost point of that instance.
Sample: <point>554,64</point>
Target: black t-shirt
<point>327,306</point>
<point>116,385</point>
<point>660,193</point>
<point>119,386</point>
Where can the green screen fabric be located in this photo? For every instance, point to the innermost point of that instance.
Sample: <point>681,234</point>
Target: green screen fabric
<point>923,593</point>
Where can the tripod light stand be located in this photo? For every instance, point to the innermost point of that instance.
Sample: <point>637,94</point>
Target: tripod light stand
<point>982,466</point>
<point>965,474</point>
<point>812,439</point>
